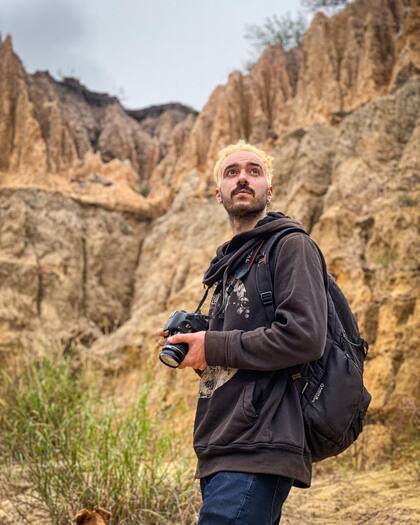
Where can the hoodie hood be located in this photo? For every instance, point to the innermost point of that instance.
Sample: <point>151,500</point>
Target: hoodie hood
<point>231,251</point>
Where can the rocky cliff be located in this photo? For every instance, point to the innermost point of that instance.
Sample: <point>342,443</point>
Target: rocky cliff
<point>59,136</point>
<point>108,219</point>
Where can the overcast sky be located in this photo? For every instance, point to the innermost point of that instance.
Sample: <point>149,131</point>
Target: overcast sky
<point>144,52</point>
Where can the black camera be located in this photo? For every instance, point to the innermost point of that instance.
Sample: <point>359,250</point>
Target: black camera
<point>181,322</point>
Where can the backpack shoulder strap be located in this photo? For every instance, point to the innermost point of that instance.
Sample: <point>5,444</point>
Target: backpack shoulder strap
<point>264,278</point>
<point>264,282</point>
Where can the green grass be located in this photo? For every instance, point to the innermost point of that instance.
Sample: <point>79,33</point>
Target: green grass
<point>77,450</point>
<point>407,201</point>
<point>384,260</point>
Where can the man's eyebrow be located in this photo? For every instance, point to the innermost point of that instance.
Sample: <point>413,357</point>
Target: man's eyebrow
<point>236,165</point>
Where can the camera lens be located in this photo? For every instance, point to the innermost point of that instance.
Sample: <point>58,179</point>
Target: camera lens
<point>173,355</point>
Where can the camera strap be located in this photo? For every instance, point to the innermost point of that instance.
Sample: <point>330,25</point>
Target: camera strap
<point>200,304</point>
<point>238,274</point>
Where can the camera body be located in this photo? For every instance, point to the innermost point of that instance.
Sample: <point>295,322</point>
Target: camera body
<point>181,322</point>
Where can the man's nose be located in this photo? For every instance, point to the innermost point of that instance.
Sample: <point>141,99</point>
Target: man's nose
<point>243,176</point>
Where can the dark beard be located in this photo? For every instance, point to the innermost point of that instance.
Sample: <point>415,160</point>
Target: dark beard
<point>248,210</point>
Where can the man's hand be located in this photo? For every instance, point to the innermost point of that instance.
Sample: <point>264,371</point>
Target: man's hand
<point>162,334</point>
<point>195,357</point>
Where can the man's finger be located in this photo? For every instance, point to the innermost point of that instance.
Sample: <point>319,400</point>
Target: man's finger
<point>185,363</point>
<point>180,338</point>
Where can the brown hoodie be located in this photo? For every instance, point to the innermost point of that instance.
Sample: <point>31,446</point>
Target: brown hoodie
<point>249,416</point>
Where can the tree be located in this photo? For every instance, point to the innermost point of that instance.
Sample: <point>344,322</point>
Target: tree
<point>313,5</point>
<point>283,30</point>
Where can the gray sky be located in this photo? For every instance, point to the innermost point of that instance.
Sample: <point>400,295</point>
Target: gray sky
<point>144,52</point>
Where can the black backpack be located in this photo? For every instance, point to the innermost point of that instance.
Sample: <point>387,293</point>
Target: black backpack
<point>333,397</point>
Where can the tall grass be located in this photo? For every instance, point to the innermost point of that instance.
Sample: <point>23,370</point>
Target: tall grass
<point>77,450</point>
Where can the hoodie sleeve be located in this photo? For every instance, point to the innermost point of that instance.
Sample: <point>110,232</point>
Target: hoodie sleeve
<point>298,333</point>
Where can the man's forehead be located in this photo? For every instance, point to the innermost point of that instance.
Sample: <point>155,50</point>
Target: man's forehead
<point>242,156</point>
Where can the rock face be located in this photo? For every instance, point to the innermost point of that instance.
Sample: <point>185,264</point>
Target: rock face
<point>365,51</point>
<point>61,136</point>
<point>66,268</point>
<point>107,218</point>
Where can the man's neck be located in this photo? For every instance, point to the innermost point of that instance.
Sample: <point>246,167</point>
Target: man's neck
<point>245,224</point>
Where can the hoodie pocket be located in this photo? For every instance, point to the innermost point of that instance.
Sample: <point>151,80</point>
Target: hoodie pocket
<point>248,407</point>
<point>242,412</point>
<point>237,420</point>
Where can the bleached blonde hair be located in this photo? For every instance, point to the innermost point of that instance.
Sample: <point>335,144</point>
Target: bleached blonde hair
<point>241,145</point>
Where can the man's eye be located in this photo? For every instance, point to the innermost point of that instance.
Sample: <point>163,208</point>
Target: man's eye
<point>230,173</point>
<point>255,171</point>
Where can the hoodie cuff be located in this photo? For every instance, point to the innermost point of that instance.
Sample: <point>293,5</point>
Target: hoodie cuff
<point>215,348</point>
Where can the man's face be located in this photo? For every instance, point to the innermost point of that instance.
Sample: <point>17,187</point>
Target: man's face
<point>243,189</point>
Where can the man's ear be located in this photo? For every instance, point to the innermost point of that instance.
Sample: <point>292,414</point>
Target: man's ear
<point>219,198</point>
<point>104,513</point>
<point>269,194</point>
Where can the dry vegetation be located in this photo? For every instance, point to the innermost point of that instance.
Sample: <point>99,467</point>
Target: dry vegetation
<point>66,445</point>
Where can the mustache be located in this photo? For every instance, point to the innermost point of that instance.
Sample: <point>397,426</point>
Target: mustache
<point>242,187</point>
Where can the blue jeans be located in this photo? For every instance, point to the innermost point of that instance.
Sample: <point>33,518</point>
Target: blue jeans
<point>238,498</point>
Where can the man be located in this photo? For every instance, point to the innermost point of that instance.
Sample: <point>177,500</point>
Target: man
<point>248,435</point>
